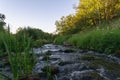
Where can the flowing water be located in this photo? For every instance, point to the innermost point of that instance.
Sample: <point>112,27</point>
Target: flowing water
<point>73,64</point>
<point>76,64</point>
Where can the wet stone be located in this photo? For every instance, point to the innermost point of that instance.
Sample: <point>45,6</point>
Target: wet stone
<point>40,58</point>
<point>111,74</point>
<point>86,75</point>
<point>83,51</point>
<point>69,68</point>
<point>84,68</point>
<point>90,52</point>
<point>77,64</point>
<point>7,68</point>
<point>88,57</point>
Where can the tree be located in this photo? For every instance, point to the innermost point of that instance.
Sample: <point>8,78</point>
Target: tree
<point>2,23</point>
<point>89,13</point>
<point>34,33</point>
<point>66,25</point>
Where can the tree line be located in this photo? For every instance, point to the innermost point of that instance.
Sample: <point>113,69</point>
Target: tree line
<point>89,13</point>
<point>37,36</point>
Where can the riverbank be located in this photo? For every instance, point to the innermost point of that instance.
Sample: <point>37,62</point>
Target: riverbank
<point>105,38</point>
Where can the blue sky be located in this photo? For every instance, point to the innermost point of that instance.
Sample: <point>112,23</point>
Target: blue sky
<point>40,14</point>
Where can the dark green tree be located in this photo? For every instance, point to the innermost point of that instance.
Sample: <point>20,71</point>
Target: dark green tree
<point>2,23</point>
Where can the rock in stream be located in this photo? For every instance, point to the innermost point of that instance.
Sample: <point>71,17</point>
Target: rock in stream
<point>64,63</point>
<point>76,64</point>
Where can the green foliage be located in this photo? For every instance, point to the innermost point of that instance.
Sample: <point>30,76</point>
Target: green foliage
<point>2,23</point>
<point>34,33</point>
<point>20,58</point>
<point>38,36</point>
<point>3,77</point>
<point>100,40</point>
<point>89,13</point>
<point>66,25</point>
<point>61,39</point>
<point>9,39</point>
<point>40,42</point>
<point>103,39</point>
<point>1,26</point>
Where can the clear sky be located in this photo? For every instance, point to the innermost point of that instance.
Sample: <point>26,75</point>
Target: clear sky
<point>40,14</point>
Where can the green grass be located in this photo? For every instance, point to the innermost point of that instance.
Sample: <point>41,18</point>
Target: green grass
<point>103,38</point>
<point>3,77</point>
<point>40,42</point>
<point>61,39</point>
<point>20,58</point>
<point>100,40</point>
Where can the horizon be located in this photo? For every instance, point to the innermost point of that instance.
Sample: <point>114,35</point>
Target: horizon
<point>36,14</point>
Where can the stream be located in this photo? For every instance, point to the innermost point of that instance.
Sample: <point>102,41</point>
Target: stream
<point>76,64</point>
<point>73,64</point>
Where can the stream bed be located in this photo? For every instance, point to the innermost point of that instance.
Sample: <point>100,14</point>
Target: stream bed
<point>76,64</point>
<point>72,64</point>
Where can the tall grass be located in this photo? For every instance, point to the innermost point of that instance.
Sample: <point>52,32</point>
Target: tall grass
<point>3,77</point>
<point>61,39</point>
<point>102,40</point>
<point>19,55</point>
<point>2,46</point>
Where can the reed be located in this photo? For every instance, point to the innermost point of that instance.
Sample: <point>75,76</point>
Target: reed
<point>19,54</point>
